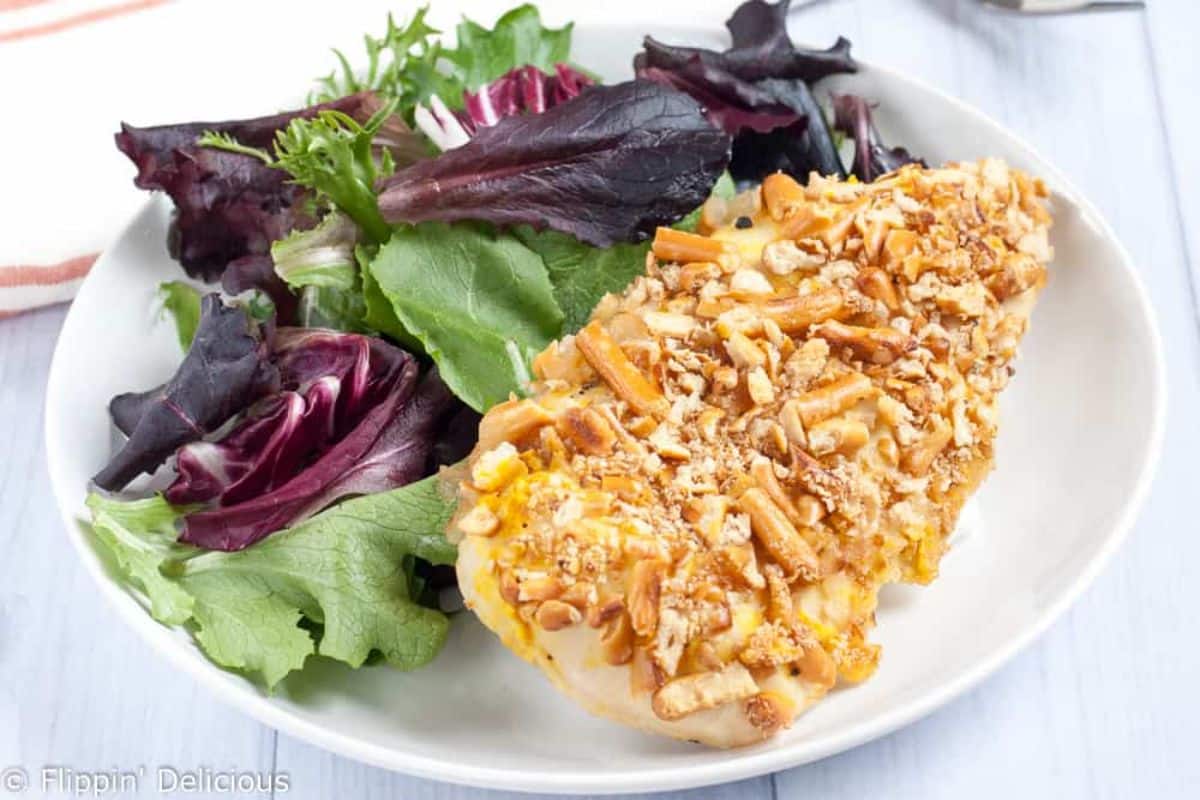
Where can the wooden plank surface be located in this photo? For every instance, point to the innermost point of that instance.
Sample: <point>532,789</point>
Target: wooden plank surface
<point>1104,705</point>
<point>78,688</point>
<point>1172,29</point>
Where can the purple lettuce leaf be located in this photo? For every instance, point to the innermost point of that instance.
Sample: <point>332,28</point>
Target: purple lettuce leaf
<point>776,124</point>
<point>757,91</point>
<point>389,448</point>
<point>872,158</point>
<point>227,205</point>
<point>456,438</point>
<point>609,166</point>
<point>230,205</point>
<point>225,370</point>
<point>797,149</point>
<point>258,272</point>
<point>763,49</point>
<point>126,409</point>
<point>730,103</point>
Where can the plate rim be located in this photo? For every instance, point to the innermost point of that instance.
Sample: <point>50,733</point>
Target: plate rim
<point>235,691</point>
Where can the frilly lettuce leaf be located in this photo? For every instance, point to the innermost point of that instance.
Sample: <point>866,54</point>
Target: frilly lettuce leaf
<point>402,65</point>
<point>140,535</point>
<point>343,570</point>
<point>408,63</point>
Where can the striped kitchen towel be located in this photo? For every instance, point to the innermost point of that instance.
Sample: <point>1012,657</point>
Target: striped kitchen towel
<point>53,216</point>
<point>72,70</point>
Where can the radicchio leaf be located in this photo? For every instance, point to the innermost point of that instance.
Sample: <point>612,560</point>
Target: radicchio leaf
<point>390,447</point>
<point>260,453</point>
<point>366,367</point>
<point>872,158</point>
<point>441,125</point>
<point>329,380</point>
<point>225,370</point>
<point>524,90</point>
<point>608,166</point>
<point>229,205</point>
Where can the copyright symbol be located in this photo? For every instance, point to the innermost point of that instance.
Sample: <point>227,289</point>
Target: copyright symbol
<point>14,780</point>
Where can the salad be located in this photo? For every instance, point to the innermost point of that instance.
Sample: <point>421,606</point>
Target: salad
<point>385,263</point>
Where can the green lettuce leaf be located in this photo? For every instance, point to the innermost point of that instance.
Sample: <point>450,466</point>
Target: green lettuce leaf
<point>141,535</point>
<point>480,303</point>
<point>320,256</point>
<point>518,39</point>
<point>409,63</point>
<point>345,571</point>
<point>582,274</point>
<point>320,264</point>
<point>182,302</point>
<point>336,309</point>
<point>380,315</point>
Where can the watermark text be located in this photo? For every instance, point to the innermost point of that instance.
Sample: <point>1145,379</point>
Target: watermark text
<point>60,780</point>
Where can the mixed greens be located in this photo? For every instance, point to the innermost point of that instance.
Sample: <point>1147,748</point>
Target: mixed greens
<point>390,258</point>
<point>344,584</point>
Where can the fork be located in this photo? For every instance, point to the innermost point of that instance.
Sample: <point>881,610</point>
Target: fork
<point>1063,6</point>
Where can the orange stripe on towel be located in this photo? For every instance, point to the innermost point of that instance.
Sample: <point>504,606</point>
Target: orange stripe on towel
<point>85,18</point>
<point>68,270</point>
<point>13,5</point>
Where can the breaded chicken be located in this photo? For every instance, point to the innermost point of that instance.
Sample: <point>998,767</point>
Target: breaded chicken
<point>687,523</point>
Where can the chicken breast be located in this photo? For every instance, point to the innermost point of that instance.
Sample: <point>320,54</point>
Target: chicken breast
<point>687,523</point>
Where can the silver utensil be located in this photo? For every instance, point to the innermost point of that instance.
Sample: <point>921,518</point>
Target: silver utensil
<point>1063,6</point>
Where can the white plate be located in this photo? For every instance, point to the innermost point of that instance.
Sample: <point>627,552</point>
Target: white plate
<point>1081,430</point>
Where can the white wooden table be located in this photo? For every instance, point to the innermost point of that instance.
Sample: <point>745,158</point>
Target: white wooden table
<point>1106,704</point>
